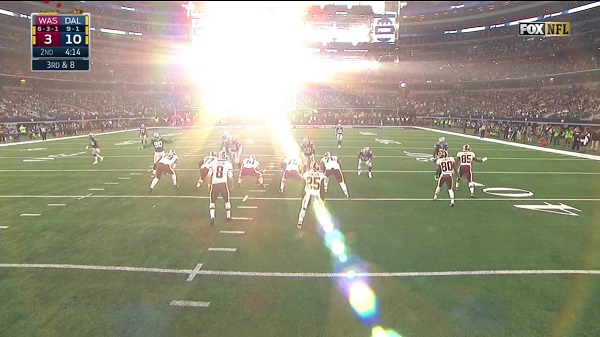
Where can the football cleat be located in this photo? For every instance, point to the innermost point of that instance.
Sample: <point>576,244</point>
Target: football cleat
<point>299,226</point>
<point>472,195</point>
<point>212,221</point>
<point>451,204</point>
<point>228,219</point>
<point>151,191</point>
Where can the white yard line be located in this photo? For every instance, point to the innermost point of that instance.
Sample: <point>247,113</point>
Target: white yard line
<point>221,249</point>
<point>245,198</point>
<point>194,272</point>
<point>135,173</point>
<point>124,178</point>
<point>247,207</point>
<point>232,232</point>
<point>57,205</point>
<point>111,183</point>
<point>240,218</point>
<point>257,191</point>
<point>31,214</point>
<point>189,304</point>
<point>277,198</point>
<point>508,272</point>
<point>84,196</point>
<point>4,227</point>
<point>95,189</point>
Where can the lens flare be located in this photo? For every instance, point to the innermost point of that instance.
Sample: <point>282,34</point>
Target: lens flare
<point>362,299</point>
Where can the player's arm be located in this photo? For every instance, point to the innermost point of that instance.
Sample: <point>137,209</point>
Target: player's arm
<point>480,160</point>
<point>230,179</point>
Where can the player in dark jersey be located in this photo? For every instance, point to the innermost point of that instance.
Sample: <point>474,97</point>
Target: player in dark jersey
<point>441,145</point>
<point>308,153</point>
<point>143,136</point>
<point>365,157</point>
<point>235,151</point>
<point>95,148</point>
<point>158,143</point>
<point>339,133</point>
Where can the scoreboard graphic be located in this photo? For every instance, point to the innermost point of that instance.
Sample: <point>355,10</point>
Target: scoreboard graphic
<point>60,42</point>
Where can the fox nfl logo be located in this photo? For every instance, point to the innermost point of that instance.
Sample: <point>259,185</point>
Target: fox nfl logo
<point>545,29</point>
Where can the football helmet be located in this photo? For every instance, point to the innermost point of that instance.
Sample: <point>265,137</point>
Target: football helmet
<point>466,147</point>
<point>213,153</point>
<point>156,135</point>
<point>305,140</point>
<point>142,126</point>
<point>253,157</point>
<point>91,135</point>
<point>327,154</point>
<point>315,167</point>
<point>222,155</point>
<point>442,139</point>
<point>442,154</point>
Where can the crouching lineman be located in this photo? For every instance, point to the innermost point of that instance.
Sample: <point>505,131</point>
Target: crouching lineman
<point>220,175</point>
<point>339,133</point>
<point>465,158</point>
<point>290,171</point>
<point>446,165</point>
<point>250,167</point>
<point>440,145</point>
<point>95,148</point>
<point>313,189</point>
<point>158,143</point>
<point>166,166</point>
<point>308,153</point>
<point>333,167</point>
<point>365,157</point>
<point>204,166</point>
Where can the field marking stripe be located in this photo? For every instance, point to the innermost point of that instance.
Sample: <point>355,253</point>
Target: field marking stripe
<point>111,183</point>
<point>221,249</point>
<point>90,267</point>
<point>306,275</point>
<point>248,207</point>
<point>30,214</point>
<point>84,196</point>
<point>4,227</point>
<point>124,178</point>
<point>95,189</point>
<point>189,304</point>
<point>275,198</point>
<point>514,144</point>
<point>194,272</point>
<point>345,171</point>
<point>57,205</point>
<point>257,191</point>
<point>232,232</point>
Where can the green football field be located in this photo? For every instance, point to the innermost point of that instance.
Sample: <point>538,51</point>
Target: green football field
<point>86,251</point>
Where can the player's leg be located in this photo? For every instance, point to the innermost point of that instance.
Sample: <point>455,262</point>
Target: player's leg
<point>339,140</point>
<point>283,180</point>
<point>438,188</point>
<point>173,177</point>
<point>370,167</point>
<point>359,166</point>
<point>471,183</point>
<point>461,172</point>
<point>259,178</point>
<point>203,174</point>
<point>159,173</point>
<point>450,190</point>
<point>156,159</point>
<point>225,194</point>
<point>305,201</point>
<point>340,179</point>
<point>326,181</point>
<point>241,176</point>
<point>214,194</point>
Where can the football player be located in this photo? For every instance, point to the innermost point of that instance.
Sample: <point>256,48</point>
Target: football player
<point>166,166</point>
<point>308,153</point>
<point>143,136</point>
<point>446,165</point>
<point>158,143</point>
<point>339,133</point>
<point>221,176</point>
<point>95,148</point>
<point>205,166</point>
<point>235,151</point>
<point>225,141</point>
<point>365,157</point>
<point>313,189</point>
<point>333,167</point>
<point>290,171</point>
<point>440,145</point>
<point>251,167</point>
<point>464,159</point>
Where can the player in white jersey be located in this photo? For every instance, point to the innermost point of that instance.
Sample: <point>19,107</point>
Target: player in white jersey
<point>204,166</point>
<point>166,166</point>
<point>250,167</point>
<point>313,189</point>
<point>446,165</point>
<point>221,175</point>
<point>333,167</point>
<point>339,133</point>
<point>291,170</point>
<point>465,158</point>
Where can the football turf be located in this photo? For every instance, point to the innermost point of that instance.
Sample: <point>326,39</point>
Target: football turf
<point>86,251</point>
